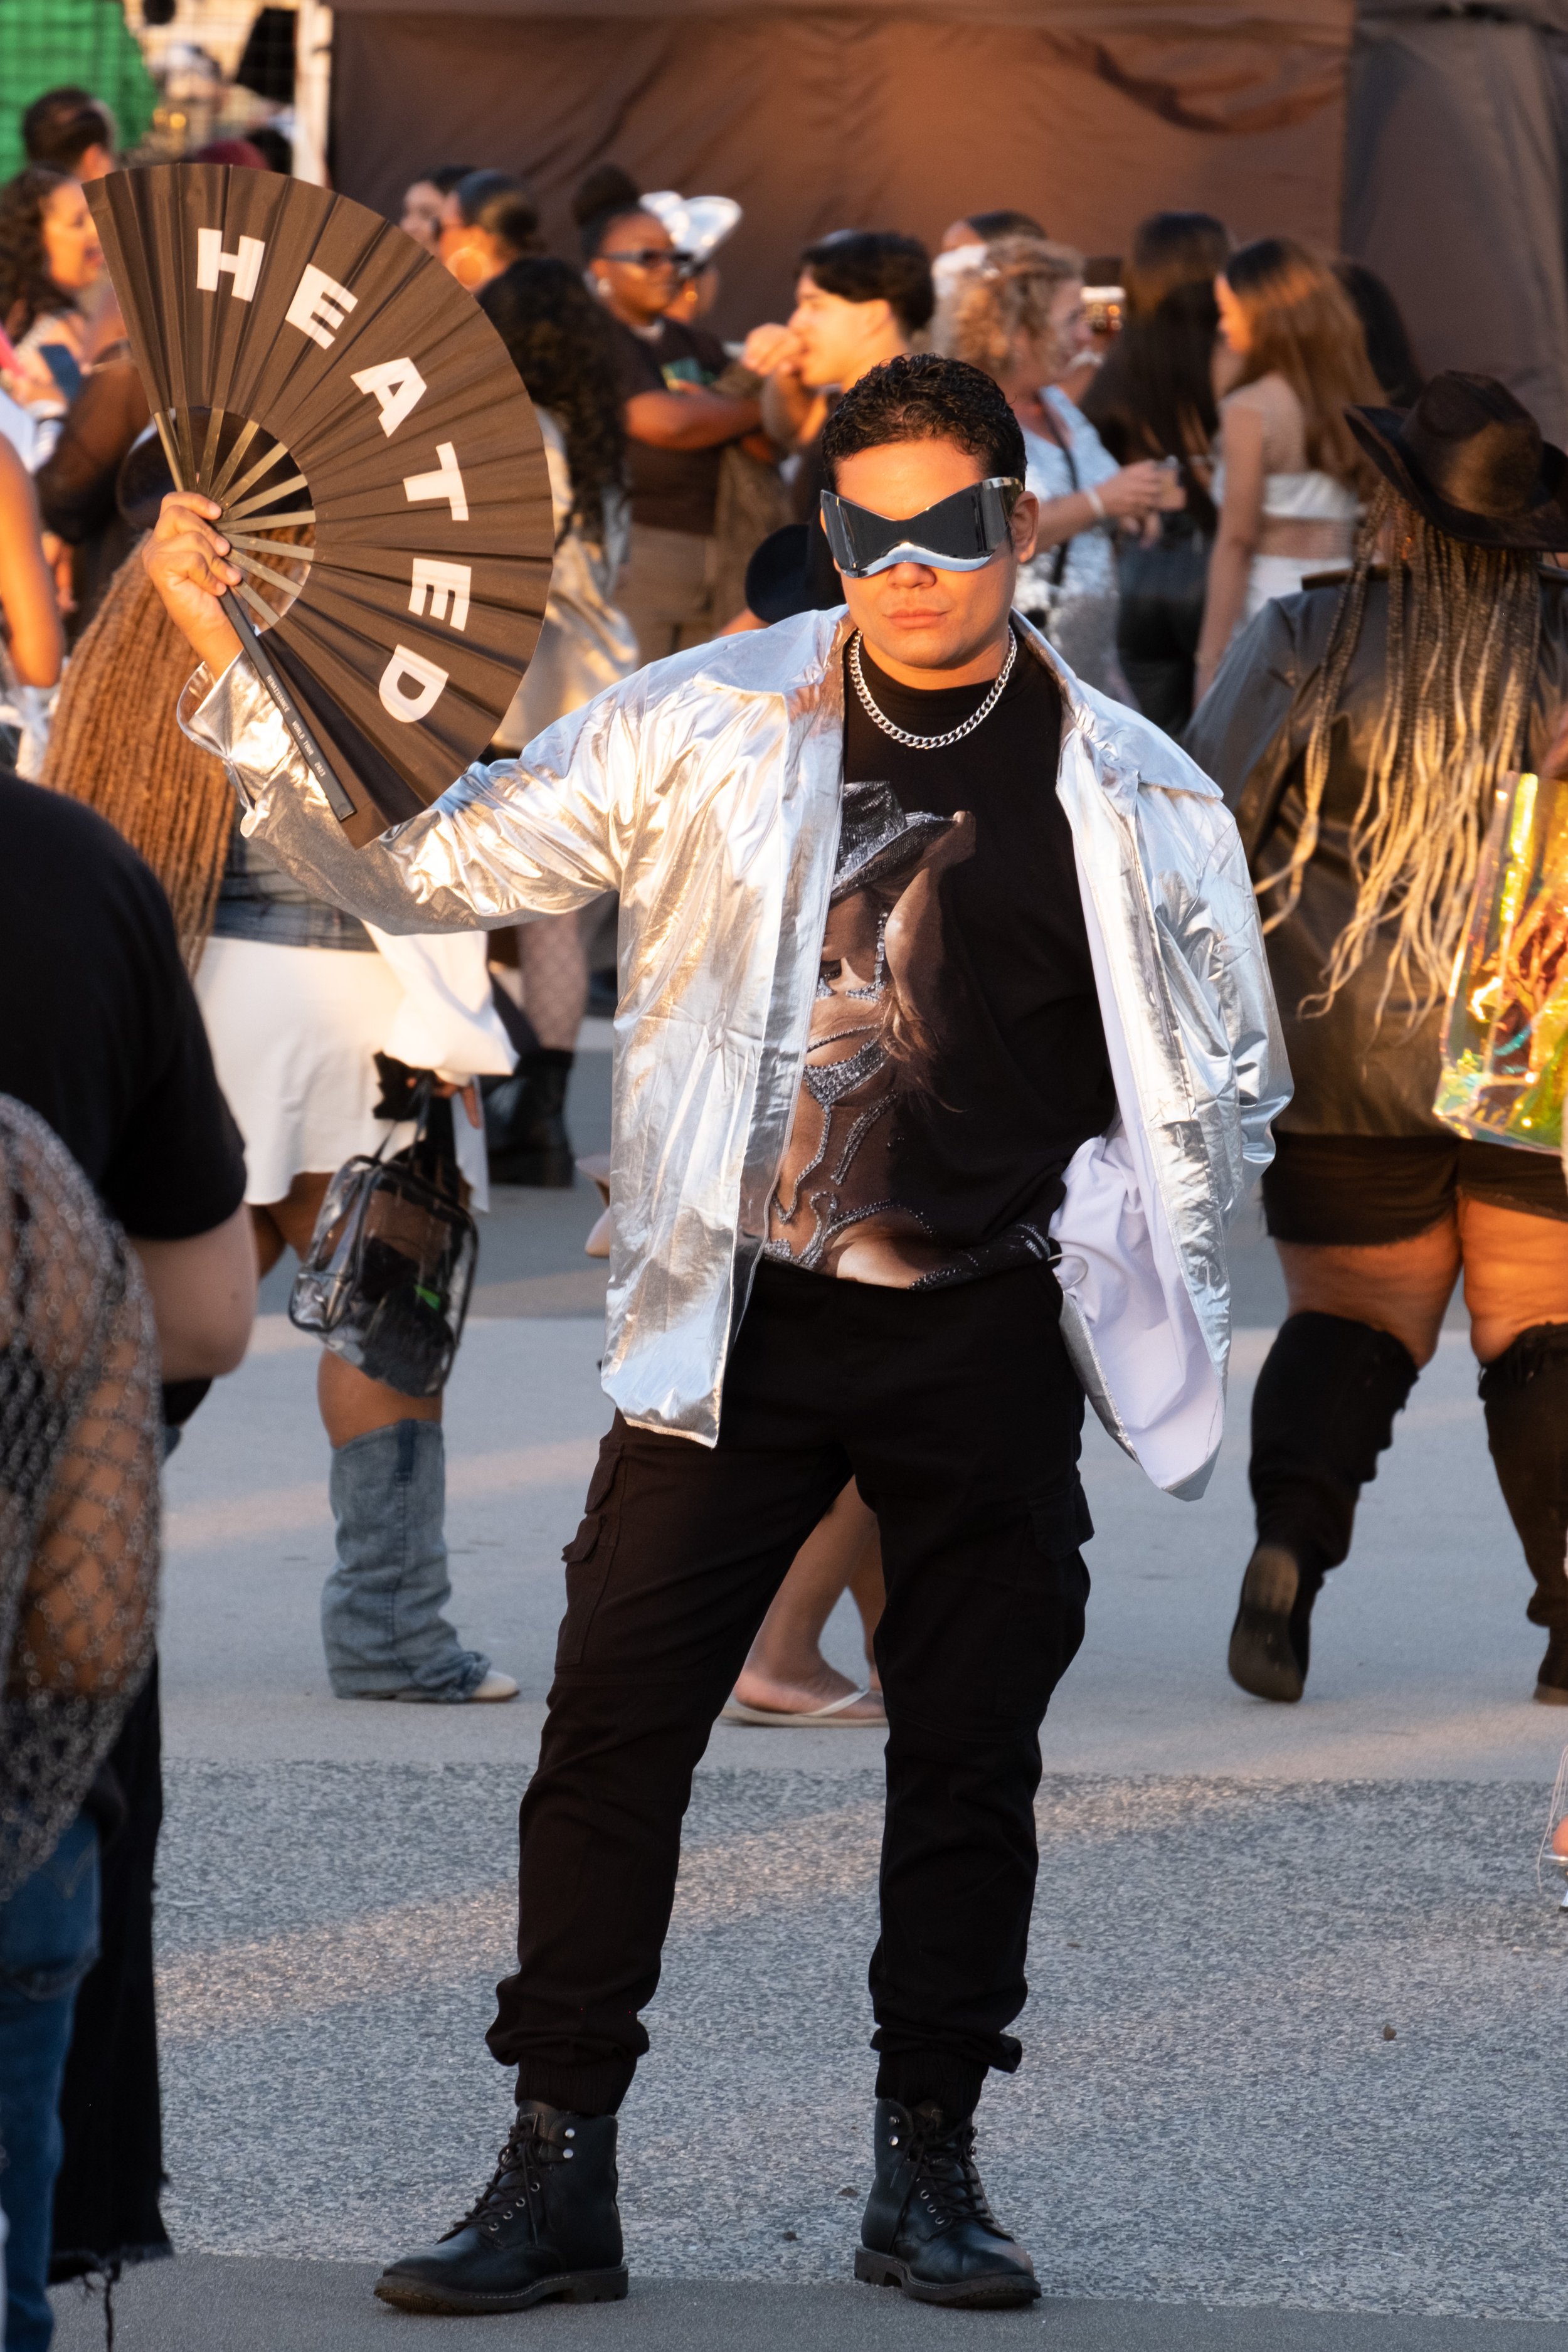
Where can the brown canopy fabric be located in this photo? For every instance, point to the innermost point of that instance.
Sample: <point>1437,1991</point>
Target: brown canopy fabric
<point>878,115</point>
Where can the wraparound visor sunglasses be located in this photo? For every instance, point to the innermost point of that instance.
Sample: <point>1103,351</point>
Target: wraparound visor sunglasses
<point>958,534</point>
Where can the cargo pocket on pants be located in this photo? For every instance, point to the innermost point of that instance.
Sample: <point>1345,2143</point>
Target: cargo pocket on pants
<point>1049,1601</point>
<point>1062,1525</point>
<point>588,1556</point>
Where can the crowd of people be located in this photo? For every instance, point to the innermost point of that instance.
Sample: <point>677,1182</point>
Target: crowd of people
<point>1144,691</point>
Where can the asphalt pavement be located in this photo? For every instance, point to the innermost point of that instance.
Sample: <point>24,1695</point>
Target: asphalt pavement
<point>1295,2046</point>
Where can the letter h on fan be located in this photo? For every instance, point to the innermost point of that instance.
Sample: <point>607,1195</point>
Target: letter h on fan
<point>293,342</point>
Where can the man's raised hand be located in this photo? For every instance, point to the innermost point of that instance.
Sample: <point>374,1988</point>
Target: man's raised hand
<point>185,559</point>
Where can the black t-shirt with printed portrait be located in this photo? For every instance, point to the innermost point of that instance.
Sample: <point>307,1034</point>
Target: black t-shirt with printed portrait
<point>957,1058</point>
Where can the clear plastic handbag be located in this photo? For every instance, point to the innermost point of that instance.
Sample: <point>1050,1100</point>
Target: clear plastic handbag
<point>1505,1050</point>
<point>391,1263</point>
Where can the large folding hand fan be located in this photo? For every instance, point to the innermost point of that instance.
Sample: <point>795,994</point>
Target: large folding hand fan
<point>378,462</point>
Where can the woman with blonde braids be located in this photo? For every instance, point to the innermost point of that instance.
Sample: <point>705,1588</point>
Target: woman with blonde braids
<point>1359,729</point>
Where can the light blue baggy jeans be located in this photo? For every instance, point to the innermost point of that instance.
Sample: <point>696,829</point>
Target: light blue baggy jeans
<point>381,1607</point>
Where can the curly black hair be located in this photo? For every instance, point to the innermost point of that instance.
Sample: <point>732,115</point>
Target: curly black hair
<point>562,346</point>
<point>26,290</point>
<point>920,396</point>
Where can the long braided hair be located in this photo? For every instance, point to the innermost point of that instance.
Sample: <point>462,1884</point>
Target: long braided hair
<point>1464,625</point>
<point>117,745</point>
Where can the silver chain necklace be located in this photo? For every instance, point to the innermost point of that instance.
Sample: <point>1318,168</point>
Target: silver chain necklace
<point>930,743</point>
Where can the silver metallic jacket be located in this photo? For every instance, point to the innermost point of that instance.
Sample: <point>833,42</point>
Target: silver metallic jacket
<point>705,790</point>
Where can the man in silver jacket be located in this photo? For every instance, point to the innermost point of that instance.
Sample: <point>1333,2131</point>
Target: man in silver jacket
<point>846,1023</point>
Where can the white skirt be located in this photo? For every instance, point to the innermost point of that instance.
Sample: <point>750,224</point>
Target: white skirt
<point>294,1033</point>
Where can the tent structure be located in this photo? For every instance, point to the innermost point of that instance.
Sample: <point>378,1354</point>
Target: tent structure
<point>870,113</point>
<point>1455,186</point>
<point>1428,138</point>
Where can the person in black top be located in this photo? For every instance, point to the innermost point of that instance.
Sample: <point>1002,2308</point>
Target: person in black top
<point>902,1329</point>
<point>750,1385</point>
<point>102,1038</point>
<point>1363,795</point>
<point>677,424</point>
<point>958,1056</point>
<point>957,1062</point>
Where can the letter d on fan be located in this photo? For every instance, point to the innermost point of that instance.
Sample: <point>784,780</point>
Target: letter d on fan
<point>395,696</point>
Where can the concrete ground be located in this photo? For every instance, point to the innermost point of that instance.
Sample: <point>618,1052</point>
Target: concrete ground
<point>1294,2072</point>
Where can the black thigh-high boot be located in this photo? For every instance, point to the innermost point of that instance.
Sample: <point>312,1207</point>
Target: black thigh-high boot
<point>1525,1392</point>
<point>1322,1411</point>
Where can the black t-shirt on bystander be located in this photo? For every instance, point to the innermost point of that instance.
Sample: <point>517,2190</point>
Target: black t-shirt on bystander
<point>671,489</point>
<point>957,1058</point>
<point>102,1035</point>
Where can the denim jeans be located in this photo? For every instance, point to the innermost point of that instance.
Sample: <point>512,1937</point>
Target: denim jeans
<point>49,1940</point>
<point>381,1608</point>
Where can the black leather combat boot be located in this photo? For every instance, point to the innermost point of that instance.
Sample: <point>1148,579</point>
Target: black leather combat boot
<point>546,2227</point>
<point>927,2226</point>
<point>525,1126</point>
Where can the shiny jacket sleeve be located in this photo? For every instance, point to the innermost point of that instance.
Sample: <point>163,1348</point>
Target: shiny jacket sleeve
<point>1244,993</point>
<point>535,835</point>
<point>1253,723</point>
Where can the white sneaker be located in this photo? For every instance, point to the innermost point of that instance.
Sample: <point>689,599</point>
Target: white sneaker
<point>494,1685</point>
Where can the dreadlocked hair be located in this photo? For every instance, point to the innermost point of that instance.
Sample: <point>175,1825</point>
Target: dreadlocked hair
<point>116,744</point>
<point>1464,624</point>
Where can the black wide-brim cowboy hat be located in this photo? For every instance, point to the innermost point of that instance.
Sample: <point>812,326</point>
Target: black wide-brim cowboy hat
<point>1471,459</point>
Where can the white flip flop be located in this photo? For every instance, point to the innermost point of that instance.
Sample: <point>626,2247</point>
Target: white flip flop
<point>831,1717</point>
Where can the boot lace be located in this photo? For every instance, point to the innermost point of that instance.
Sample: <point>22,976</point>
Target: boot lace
<point>513,2188</point>
<point>946,2179</point>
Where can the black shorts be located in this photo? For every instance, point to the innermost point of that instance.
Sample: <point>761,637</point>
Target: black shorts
<point>1362,1189</point>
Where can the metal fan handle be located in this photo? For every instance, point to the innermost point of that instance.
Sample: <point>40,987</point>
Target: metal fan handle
<point>310,750</point>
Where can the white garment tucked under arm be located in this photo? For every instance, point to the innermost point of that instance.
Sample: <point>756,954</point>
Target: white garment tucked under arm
<point>448,1020</point>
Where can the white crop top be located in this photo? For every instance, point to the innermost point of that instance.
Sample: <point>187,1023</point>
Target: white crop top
<point>1310,496</point>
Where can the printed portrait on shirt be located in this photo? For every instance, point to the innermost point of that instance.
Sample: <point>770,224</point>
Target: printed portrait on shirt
<point>852,1194</point>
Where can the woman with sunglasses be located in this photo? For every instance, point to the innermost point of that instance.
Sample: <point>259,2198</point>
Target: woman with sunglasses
<point>677,424</point>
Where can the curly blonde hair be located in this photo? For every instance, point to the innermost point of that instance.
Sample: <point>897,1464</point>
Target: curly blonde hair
<point>1009,294</point>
